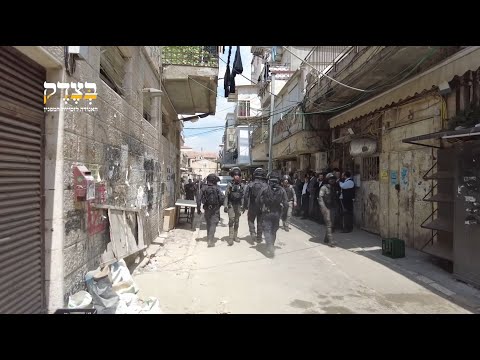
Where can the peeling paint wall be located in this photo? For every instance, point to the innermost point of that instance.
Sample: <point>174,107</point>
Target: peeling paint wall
<point>403,189</point>
<point>393,206</point>
<point>121,148</point>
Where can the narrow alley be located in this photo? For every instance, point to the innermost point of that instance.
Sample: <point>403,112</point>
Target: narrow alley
<point>305,277</point>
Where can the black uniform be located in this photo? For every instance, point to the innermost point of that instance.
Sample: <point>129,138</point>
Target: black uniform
<point>212,198</point>
<point>272,200</point>
<point>233,204</point>
<point>190,190</point>
<point>252,191</point>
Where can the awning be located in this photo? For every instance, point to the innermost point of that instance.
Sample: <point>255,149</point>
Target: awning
<point>457,64</point>
<point>452,134</point>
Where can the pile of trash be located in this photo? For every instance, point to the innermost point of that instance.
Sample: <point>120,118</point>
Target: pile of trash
<point>111,290</point>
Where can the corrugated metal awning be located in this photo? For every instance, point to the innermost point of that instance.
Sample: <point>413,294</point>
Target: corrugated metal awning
<point>463,133</point>
<point>458,64</point>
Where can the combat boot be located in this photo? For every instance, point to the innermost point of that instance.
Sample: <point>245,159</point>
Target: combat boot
<point>270,250</point>
<point>235,235</point>
<point>253,236</point>
<point>230,236</point>
<point>211,243</point>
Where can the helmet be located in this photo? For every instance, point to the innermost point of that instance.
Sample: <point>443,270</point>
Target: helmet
<point>286,177</point>
<point>274,177</point>
<point>212,178</point>
<point>259,173</point>
<point>330,176</point>
<point>235,171</point>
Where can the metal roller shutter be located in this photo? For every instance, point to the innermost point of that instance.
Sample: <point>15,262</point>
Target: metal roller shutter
<point>21,183</point>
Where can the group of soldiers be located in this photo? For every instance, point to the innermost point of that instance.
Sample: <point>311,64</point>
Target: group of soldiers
<point>265,199</point>
<point>268,199</point>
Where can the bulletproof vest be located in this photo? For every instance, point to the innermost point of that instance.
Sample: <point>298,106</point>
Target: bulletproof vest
<point>236,193</point>
<point>330,198</point>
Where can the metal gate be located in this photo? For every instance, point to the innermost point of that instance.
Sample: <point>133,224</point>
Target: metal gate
<point>22,287</point>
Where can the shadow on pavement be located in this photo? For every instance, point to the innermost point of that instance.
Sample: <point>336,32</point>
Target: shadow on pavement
<point>423,269</point>
<point>204,239</point>
<point>262,248</point>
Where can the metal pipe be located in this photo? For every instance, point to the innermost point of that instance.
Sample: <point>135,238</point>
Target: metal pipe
<point>272,108</point>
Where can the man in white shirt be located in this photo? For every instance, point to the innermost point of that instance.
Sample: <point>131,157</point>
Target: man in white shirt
<point>305,197</point>
<point>346,198</point>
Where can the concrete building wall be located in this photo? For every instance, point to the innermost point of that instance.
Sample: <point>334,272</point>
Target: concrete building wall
<point>380,205</point>
<point>204,167</point>
<point>121,148</point>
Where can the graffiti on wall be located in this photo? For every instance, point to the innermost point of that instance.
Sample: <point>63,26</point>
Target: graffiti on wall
<point>96,218</point>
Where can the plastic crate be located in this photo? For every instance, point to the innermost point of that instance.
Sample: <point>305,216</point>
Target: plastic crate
<point>393,248</point>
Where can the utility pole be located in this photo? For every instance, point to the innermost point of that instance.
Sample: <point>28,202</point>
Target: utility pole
<point>272,108</point>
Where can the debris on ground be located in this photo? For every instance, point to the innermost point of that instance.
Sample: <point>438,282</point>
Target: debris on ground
<point>112,290</point>
<point>80,300</point>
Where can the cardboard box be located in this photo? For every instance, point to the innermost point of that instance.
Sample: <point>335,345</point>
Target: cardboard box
<point>169,217</point>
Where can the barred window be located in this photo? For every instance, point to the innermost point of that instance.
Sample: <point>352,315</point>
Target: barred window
<point>370,168</point>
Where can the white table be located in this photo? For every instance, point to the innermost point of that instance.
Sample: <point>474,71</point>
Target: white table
<point>189,206</point>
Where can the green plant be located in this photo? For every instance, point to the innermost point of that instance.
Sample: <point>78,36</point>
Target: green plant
<point>466,118</point>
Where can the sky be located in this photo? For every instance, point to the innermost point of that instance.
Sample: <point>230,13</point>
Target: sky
<point>200,135</point>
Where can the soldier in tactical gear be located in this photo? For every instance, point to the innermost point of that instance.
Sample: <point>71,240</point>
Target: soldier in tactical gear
<point>327,199</point>
<point>212,198</point>
<point>252,191</point>
<point>233,204</point>
<point>272,201</point>
<point>292,202</point>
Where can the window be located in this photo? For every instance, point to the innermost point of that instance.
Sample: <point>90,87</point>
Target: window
<point>370,168</point>
<point>112,67</point>
<point>164,125</point>
<point>243,108</point>
<point>147,103</point>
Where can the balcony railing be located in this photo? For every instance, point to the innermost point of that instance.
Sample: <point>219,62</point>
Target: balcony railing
<point>324,58</point>
<point>290,124</point>
<point>229,158</point>
<point>206,56</point>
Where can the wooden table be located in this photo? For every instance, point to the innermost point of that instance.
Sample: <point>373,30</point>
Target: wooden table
<point>189,206</point>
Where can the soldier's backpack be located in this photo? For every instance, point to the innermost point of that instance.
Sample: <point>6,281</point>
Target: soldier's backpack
<point>236,193</point>
<point>256,189</point>
<point>210,197</point>
<point>272,198</point>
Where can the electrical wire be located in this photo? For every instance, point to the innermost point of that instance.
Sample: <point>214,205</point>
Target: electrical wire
<point>203,133</point>
<point>324,74</point>
<point>378,87</point>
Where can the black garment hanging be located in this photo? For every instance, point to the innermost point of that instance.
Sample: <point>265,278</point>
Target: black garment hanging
<point>237,68</point>
<point>226,77</point>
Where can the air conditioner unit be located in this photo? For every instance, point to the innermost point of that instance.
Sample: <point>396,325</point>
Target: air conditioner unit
<point>290,166</point>
<point>277,52</point>
<point>363,147</point>
<point>304,162</point>
<point>318,161</point>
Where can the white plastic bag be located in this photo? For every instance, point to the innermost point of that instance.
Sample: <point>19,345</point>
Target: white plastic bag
<point>80,300</point>
<point>122,281</point>
<point>151,306</point>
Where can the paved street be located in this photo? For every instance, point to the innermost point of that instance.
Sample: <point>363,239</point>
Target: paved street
<point>305,277</point>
